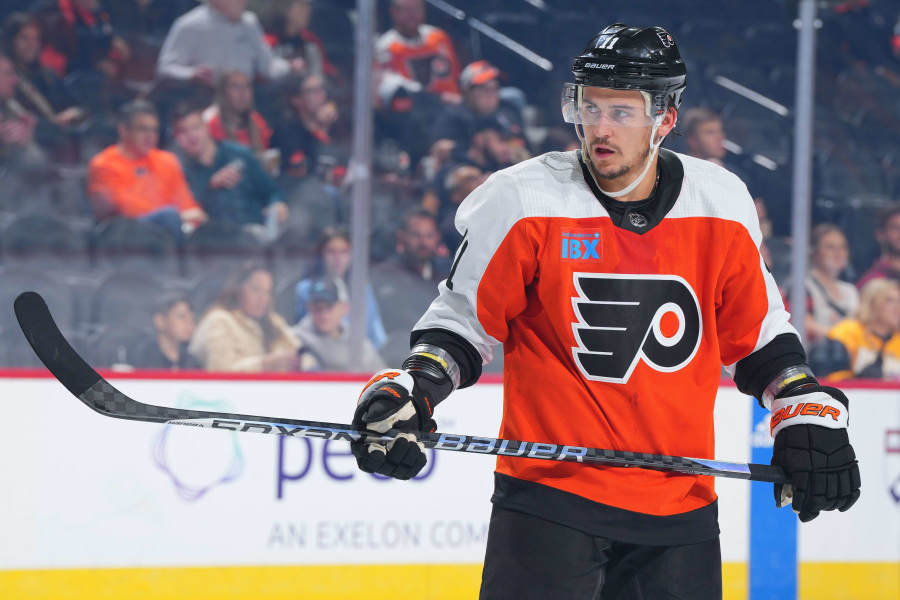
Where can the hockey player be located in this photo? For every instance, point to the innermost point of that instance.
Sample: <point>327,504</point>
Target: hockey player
<point>618,278</point>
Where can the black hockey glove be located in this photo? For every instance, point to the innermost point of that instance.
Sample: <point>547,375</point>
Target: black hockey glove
<point>404,400</point>
<point>809,425</point>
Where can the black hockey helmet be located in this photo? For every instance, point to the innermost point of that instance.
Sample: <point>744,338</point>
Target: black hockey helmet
<point>634,58</point>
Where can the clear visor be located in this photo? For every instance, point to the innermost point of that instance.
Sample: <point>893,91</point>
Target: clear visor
<point>589,105</point>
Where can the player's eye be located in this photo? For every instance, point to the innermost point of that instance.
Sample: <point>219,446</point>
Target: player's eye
<point>621,115</point>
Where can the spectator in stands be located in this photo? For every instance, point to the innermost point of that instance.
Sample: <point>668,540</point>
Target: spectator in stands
<point>333,255</point>
<point>419,248</point>
<point>414,56</point>
<point>406,283</point>
<point>40,90</point>
<point>305,127</point>
<point>81,38</point>
<point>173,323</point>
<point>480,83</point>
<point>560,139</point>
<point>490,148</point>
<point>869,344</point>
<point>226,179</point>
<point>453,186</point>
<point>19,151</point>
<point>291,37</point>
<point>136,180</point>
<point>219,36</point>
<point>704,135</point>
<point>233,117</point>
<point>242,332</point>
<point>324,330</point>
<point>830,299</point>
<point>887,232</point>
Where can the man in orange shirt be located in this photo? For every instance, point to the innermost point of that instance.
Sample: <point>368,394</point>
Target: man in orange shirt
<point>136,180</point>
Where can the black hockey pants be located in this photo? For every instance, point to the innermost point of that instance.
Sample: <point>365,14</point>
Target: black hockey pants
<point>529,558</point>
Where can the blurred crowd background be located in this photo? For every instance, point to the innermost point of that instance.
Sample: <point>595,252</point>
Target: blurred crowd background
<point>173,173</point>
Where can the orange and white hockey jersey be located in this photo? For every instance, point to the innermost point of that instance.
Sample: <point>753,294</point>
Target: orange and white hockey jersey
<point>430,59</point>
<point>613,337</point>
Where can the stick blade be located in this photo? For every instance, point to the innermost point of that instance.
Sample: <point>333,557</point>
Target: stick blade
<point>51,346</point>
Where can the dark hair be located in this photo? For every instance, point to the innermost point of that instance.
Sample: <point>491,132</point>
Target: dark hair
<point>129,110</point>
<point>417,213</point>
<point>182,110</point>
<point>168,301</point>
<point>230,298</point>
<point>328,234</point>
<point>12,26</point>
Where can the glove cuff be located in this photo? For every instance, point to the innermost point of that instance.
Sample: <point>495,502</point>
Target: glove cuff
<point>786,381</point>
<point>813,408</point>
<point>433,359</point>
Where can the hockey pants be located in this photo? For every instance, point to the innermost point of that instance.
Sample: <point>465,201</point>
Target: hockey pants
<point>529,558</point>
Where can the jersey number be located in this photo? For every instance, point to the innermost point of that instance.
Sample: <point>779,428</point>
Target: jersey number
<point>459,252</point>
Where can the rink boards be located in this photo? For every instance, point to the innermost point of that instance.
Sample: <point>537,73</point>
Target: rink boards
<point>100,508</point>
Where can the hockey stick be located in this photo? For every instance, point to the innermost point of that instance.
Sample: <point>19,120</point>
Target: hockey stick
<point>88,386</point>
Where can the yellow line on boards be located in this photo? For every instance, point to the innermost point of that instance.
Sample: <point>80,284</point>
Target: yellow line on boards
<point>849,581</point>
<point>818,581</point>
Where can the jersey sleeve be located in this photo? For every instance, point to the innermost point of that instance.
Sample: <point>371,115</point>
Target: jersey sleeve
<point>495,262</point>
<point>750,312</point>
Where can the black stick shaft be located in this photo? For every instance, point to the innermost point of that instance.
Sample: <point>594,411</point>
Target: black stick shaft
<point>85,383</point>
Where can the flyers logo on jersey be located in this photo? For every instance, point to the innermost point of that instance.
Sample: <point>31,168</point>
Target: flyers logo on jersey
<point>622,319</point>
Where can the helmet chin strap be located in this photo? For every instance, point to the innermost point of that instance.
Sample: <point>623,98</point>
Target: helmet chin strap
<point>654,147</point>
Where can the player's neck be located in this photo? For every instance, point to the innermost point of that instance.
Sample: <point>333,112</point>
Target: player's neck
<point>640,192</point>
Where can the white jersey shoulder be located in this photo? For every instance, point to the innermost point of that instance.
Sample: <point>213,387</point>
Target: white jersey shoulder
<point>709,190</point>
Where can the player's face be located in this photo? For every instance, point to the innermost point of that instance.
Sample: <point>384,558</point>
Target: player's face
<point>616,131</point>
<point>832,253</point>
<point>256,294</point>
<point>336,256</point>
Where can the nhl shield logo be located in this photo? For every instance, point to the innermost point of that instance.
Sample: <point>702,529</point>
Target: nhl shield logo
<point>665,38</point>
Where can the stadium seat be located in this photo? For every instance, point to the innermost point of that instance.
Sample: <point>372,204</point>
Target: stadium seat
<point>114,345</point>
<point>128,298</point>
<point>129,244</point>
<point>44,241</point>
<point>17,279</point>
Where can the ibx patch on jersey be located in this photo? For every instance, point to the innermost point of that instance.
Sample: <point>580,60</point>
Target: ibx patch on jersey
<point>622,319</point>
<point>581,245</point>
